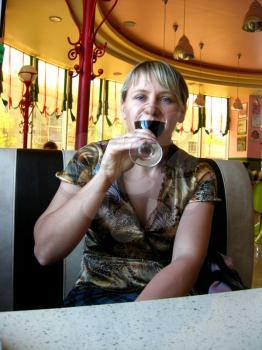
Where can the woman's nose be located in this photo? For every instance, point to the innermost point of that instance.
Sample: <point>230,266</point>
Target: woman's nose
<point>152,108</point>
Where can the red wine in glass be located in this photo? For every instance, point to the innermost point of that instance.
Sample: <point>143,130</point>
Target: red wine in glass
<point>148,154</point>
<point>156,126</point>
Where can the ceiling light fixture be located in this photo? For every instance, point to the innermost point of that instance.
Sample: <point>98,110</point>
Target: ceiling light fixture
<point>175,28</point>
<point>129,24</point>
<point>237,105</point>
<point>200,100</point>
<point>55,19</point>
<point>253,18</point>
<point>184,50</point>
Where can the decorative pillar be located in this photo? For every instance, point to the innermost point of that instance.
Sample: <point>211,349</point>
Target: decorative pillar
<point>85,61</point>
<point>27,75</point>
<point>88,51</point>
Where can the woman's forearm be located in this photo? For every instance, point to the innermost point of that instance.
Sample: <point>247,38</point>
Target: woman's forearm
<point>64,224</point>
<point>190,249</point>
<point>174,280</point>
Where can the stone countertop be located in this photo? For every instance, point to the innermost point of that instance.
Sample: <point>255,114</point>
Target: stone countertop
<point>231,320</point>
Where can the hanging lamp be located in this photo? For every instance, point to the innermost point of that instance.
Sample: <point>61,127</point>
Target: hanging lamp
<point>200,100</point>
<point>164,26</point>
<point>175,28</point>
<point>184,50</point>
<point>237,105</point>
<point>253,18</point>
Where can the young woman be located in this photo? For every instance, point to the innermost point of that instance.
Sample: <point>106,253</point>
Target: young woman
<point>147,228</point>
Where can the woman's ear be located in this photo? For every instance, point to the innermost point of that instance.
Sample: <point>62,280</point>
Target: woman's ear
<point>181,115</point>
<point>123,111</point>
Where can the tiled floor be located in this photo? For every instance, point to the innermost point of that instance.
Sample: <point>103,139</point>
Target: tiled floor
<point>257,271</point>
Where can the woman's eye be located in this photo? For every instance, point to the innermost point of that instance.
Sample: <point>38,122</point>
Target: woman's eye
<point>166,99</point>
<point>140,97</point>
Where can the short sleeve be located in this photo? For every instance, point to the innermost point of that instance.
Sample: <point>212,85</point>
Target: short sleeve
<point>82,167</point>
<point>206,184</point>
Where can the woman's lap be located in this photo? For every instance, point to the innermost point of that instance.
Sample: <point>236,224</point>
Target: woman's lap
<point>87,294</point>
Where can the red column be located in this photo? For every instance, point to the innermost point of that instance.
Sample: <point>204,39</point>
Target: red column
<point>85,61</point>
<point>25,112</point>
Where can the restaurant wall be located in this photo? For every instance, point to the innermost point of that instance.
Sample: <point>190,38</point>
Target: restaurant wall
<point>245,132</point>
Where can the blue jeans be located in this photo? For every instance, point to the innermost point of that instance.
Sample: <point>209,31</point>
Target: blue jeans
<point>88,294</point>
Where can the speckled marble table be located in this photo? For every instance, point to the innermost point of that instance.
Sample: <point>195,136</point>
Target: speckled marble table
<point>223,321</point>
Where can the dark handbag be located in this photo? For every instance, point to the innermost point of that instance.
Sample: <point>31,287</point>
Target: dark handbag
<point>218,275</point>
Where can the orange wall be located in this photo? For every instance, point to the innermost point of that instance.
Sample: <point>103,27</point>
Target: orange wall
<point>233,136</point>
<point>253,133</point>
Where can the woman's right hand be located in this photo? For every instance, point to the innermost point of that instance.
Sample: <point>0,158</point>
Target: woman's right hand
<point>116,159</point>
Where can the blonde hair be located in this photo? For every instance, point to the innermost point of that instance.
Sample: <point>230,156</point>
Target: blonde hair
<point>166,75</point>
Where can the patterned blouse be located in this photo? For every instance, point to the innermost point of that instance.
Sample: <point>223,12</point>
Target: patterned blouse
<point>119,253</point>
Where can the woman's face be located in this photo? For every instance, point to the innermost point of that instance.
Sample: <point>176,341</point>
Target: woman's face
<point>149,99</point>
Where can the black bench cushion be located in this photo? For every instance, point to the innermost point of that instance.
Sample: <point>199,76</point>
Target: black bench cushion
<point>35,286</point>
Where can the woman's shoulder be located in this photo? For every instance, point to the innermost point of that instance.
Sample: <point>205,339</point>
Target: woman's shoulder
<point>84,163</point>
<point>91,153</point>
<point>187,163</point>
<point>93,149</point>
<point>178,158</point>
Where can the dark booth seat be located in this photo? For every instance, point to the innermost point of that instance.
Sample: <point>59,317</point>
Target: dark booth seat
<point>28,184</point>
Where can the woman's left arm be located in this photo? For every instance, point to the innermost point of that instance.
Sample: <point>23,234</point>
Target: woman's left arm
<point>189,252</point>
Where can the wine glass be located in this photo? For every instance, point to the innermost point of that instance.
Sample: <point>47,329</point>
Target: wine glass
<point>146,153</point>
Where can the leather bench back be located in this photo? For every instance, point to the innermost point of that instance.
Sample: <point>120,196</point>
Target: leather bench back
<point>27,187</point>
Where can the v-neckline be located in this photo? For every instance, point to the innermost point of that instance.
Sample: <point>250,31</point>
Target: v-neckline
<point>167,173</point>
<point>151,218</point>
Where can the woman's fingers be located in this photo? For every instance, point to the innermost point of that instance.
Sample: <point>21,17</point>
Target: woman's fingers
<point>117,156</point>
<point>124,142</point>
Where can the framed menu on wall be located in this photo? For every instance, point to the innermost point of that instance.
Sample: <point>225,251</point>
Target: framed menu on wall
<point>242,126</point>
<point>241,144</point>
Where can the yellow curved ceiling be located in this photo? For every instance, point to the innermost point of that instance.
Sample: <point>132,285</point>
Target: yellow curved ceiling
<point>28,28</point>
